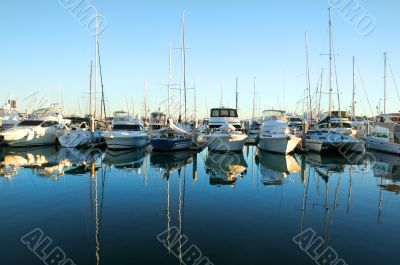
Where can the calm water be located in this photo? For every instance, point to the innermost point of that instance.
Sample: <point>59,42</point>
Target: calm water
<point>109,207</point>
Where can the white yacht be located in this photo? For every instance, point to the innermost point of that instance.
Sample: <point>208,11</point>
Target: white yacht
<point>275,135</point>
<point>126,133</point>
<point>9,115</point>
<point>385,136</point>
<point>225,131</point>
<point>41,128</point>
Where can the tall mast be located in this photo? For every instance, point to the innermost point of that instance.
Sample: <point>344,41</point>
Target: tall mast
<point>169,77</point>
<point>90,88</point>
<point>254,99</point>
<point>237,93</point>
<point>195,101</point>
<point>330,62</point>
<point>353,106</point>
<point>95,65</point>
<point>384,80</point>
<point>183,62</point>
<point>308,83</point>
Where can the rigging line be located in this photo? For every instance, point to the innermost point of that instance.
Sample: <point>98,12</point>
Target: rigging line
<point>336,79</point>
<point>365,91</point>
<point>103,103</point>
<point>394,81</point>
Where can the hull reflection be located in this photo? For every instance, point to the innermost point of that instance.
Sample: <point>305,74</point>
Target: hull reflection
<point>225,168</point>
<point>126,159</point>
<point>43,160</point>
<point>276,167</point>
<point>170,161</point>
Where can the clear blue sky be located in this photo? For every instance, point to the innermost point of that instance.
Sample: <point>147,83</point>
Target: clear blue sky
<point>43,46</point>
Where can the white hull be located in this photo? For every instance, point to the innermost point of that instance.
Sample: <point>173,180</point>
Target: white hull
<point>29,138</point>
<point>384,146</point>
<point>119,142</point>
<point>279,144</point>
<point>76,139</point>
<point>313,145</point>
<point>226,142</point>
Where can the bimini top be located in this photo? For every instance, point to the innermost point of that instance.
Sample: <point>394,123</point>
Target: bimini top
<point>274,115</point>
<point>224,112</point>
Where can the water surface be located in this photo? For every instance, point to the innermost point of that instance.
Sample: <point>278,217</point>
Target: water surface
<point>107,207</point>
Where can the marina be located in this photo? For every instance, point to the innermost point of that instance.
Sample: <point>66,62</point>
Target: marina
<point>199,133</point>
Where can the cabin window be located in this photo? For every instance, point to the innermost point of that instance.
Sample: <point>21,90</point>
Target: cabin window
<point>49,124</point>
<point>224,113</point>
<point>30,123</point>
<point>127,127</point>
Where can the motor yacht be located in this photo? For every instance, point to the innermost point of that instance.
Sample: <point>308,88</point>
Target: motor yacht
<point>275,135</point>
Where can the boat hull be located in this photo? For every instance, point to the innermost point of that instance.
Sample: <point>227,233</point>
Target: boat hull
<point>118,142</point>
<point>77,139</point>
<point>281,145</point>
<point>225,143</point>
<point>165,144</point>
<point>383,146</point>
<point>314,146</point>
<point>29,138</point>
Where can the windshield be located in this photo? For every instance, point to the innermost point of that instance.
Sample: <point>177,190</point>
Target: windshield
<point>224,113</point>
<point>30,123</point>
<point>127,127</point>
<point>274,114</point>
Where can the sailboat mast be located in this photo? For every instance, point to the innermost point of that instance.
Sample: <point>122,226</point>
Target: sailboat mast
<point>330,62</point>
<point>320,94</point>
<point>254,99</point>
<point>384,80</point>
<point>308,83</point>
<point>195,102</point>
<point>90,88</point>
<point>95,64</point>
<point>237,93</point>
<point>169,77</point>
<point>184,62</point>
<point>353,108</point>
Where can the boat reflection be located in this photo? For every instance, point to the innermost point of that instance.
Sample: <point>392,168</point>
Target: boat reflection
<point>126,159</point>
<point>170,161</point>
<point>387,167</point>
<point>81,161</point>
<point>43,160</point>
<point>275,167</point>
<point>225,168</point>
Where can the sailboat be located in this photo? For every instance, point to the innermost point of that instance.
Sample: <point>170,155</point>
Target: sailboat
<point>175,137</point>
<point>82,136</point>
<point>385,135</point>
<point>330,134</point>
